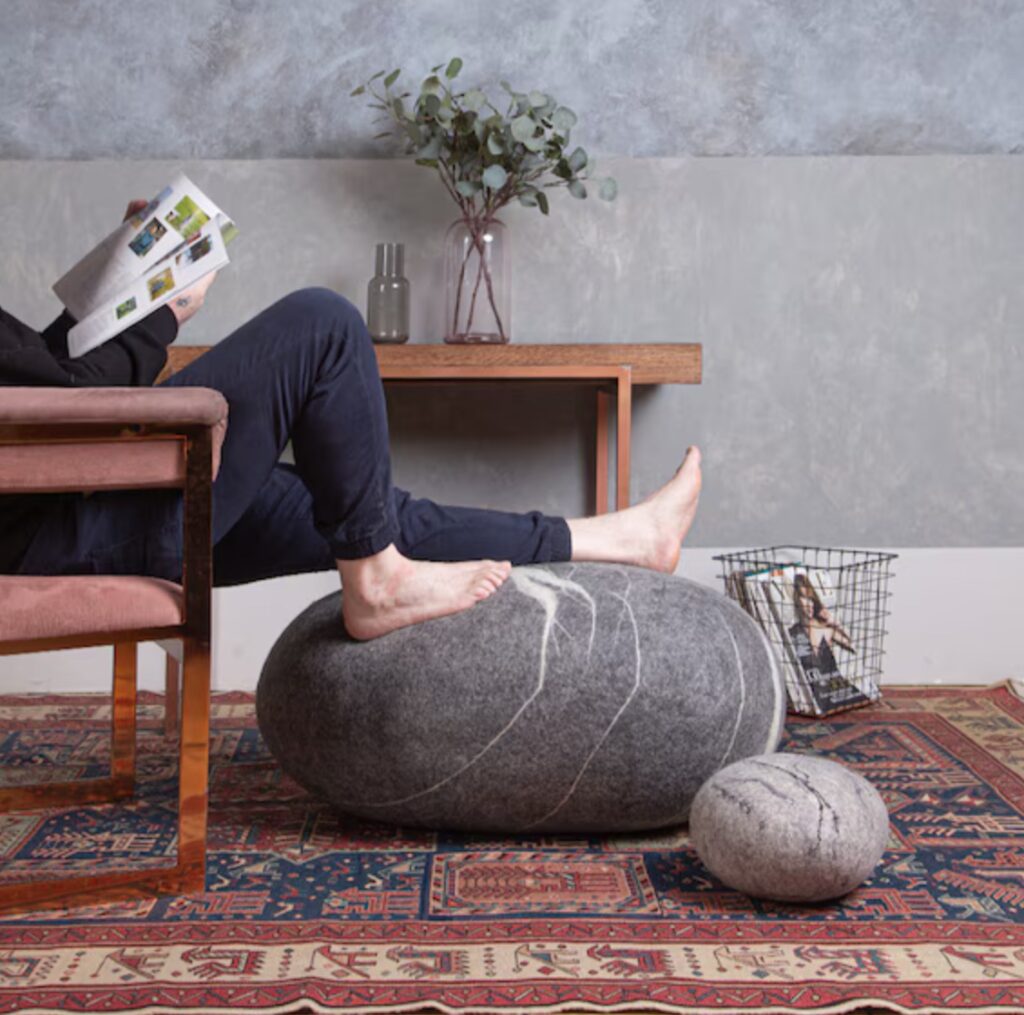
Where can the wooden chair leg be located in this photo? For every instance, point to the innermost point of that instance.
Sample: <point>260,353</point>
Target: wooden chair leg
<point>194,764</point>
<point>189,872</point>
<point>122,722</point>
<point>120,784</point>
<point>171,671</point>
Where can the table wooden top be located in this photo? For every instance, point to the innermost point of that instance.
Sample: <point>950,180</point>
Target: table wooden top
<point>649,363</point>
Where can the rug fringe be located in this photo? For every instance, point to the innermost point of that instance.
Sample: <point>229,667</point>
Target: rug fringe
<point>574,1008</point>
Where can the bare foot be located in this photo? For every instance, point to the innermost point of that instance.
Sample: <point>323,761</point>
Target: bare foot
<point>649,534</point>
<point>388,591</point>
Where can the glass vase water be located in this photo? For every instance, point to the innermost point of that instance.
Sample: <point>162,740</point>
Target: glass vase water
<point>477,282</point>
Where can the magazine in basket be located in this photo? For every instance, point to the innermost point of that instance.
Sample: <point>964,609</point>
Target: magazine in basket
<point>796,606</point>
<point>179,237</point>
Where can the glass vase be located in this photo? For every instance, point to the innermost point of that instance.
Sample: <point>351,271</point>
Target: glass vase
<point>477,282</point>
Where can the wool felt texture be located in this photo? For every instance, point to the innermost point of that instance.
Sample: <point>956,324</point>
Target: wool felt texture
<point>578,697</point>
<point>789,827</point>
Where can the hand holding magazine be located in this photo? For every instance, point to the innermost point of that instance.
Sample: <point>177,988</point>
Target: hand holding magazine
<point>166,247</point>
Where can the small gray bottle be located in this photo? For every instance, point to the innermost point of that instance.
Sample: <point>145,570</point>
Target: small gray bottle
<point>387,296</point>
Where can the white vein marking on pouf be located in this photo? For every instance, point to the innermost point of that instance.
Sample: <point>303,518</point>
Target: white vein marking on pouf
<point>743,693</point>
<point>604,736</point>
<point>548,599</point>
<point>778,714</point>
<point>739,711</point>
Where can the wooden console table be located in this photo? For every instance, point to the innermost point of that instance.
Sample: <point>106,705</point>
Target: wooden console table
<point>612,369</point>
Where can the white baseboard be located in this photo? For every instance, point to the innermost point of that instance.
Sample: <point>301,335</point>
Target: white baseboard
<point>955,619</point>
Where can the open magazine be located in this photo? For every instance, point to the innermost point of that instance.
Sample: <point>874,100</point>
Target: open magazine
<point>796,607</point>
<point>179,237</point>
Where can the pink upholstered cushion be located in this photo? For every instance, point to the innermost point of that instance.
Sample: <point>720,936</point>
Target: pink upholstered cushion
<point>45,607</point>
<point>104,465</point>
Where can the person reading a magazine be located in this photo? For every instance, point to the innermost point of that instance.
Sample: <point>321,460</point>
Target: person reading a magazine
<point>303,370</point>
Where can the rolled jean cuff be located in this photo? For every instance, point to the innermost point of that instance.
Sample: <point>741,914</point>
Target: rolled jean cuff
<point>561,540</point>
<point>364,546</point>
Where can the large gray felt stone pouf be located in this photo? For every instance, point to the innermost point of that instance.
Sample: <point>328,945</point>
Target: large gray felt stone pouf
<point>576,698</point>
<point>789,827</point>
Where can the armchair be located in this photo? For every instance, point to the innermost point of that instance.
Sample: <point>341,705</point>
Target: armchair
<point>74,439</point>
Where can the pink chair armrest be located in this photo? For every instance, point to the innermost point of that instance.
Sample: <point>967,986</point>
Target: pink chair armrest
<point>112,405</point>
<point>34,466</point>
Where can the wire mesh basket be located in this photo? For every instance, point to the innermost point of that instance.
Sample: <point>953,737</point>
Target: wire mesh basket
<point>811,601</point>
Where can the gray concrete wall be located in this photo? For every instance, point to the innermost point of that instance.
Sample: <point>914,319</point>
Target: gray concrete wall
<point>861,321</point>
<point>861,317</point>
<point>264,79</point>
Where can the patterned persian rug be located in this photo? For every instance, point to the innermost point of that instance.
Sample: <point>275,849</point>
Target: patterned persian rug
<point>308,911</point>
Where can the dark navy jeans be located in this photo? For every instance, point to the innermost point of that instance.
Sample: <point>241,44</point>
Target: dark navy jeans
<point>305,370</point>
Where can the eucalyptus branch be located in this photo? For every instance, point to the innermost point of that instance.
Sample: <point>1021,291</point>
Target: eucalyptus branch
<point>486,158</point>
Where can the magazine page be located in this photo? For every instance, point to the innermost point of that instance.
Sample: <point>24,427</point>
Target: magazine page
<point>773,619</point>
<point>164,280</point>
<point>813,633</point>
<point>167,223</point>
<point>841,637</point>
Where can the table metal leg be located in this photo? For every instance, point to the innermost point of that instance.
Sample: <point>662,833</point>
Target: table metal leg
<point>623,437</point>
<point>601,469</point>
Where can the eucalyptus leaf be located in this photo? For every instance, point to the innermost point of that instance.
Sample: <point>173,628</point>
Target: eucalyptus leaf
<point>563,118</point>
<point>577,189</point>
<point>473,99</point>
<point>468,188</point>
<point>392,78</point>
<point>431,150</point>
<point>523,128</point>
<point>358,91</point>
<point>453,68</point>
<point>577,160</point>
<point>494,177</point>
<point>494,145</point>
<point>432,85</point>
<point>537,99</point>
<point>398,108</point>
<point>528,199</point>
<point>379,74</point>
<point>608,190</point>
<point>432,105</point>
<point>542,201</point>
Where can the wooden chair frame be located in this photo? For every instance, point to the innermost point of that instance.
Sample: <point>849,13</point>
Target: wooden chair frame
<point>188,872</point>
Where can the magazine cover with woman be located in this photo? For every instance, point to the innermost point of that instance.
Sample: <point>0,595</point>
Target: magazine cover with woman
<point>803,604</point>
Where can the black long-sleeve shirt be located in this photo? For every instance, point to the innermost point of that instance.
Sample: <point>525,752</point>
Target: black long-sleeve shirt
<point>27,357</point>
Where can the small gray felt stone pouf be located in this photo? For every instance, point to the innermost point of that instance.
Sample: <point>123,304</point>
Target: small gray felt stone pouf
<point>576,698</point>
<point>789,827</point>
